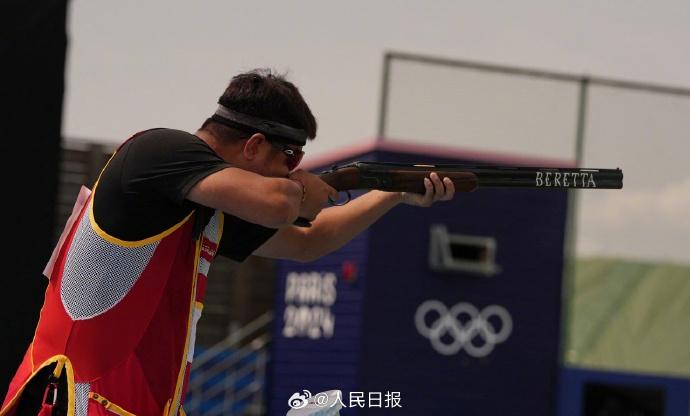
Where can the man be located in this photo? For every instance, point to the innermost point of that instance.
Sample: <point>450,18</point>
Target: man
<point>127,280</point>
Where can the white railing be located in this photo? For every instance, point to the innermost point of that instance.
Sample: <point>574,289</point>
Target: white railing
<point>229,377</point>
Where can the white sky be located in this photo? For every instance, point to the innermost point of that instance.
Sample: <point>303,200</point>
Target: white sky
<point>133,65</point>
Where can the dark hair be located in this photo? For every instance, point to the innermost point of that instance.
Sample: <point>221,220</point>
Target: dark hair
<point>261,93</point>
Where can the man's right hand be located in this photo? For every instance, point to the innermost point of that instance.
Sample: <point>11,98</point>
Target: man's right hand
<point>316,193</point>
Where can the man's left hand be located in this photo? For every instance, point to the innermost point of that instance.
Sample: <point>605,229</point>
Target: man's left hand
<point>437,189</point>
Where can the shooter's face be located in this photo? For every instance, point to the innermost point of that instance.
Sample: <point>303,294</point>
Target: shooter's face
<point>276,158</point>
<point>271,162</point>
<point>293,154</point>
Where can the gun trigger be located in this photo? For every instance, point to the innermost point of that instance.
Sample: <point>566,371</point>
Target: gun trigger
<point>337,203</point>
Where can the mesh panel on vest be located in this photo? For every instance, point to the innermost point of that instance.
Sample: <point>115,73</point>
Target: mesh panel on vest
<point>204,266</point>
<point>98,274</point>
<point>211,230</point>
<point>81,402</point>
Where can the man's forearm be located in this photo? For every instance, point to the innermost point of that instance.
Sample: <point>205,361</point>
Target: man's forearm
<point>335,226</point>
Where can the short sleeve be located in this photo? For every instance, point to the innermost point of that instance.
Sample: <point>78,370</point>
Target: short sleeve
<point>167,163</point>
<point>241,238</point>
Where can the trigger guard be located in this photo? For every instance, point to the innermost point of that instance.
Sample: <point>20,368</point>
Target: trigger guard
<point>336,203</point>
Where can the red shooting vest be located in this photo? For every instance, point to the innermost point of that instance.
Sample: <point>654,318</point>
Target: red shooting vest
<point>121,316</point>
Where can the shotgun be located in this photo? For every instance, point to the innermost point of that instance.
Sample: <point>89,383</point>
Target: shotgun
<point>401,177</point>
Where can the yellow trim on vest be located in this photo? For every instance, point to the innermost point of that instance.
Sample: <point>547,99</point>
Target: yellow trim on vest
<point>137,243</point>
<point>177,397</point>
<point>109,405</point>
<point>194,305</point>
<point>62,363</point>
<point>57,372</point>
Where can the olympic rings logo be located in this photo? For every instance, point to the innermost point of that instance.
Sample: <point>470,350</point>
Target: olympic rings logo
<point>463,324</point>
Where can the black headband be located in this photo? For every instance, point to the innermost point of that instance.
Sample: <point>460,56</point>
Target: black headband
<point>234,119</point>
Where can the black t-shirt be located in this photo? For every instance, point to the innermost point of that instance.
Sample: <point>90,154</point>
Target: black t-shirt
<point>143,189</point>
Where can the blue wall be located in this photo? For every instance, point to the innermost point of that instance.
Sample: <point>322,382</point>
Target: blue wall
<point>519,376</point>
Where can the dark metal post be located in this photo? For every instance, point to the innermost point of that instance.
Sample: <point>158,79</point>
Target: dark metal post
<point>385,83</point>
<point>570,225</point>
<point>581,121</point>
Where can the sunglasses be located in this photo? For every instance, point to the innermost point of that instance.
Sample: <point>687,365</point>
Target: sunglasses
<point>293,156</point>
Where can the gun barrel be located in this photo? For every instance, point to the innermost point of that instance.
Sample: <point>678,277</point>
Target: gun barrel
<point>560,178</point>
<point>513,176</point>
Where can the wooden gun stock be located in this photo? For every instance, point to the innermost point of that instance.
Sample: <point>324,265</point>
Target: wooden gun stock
<point>398,179</point>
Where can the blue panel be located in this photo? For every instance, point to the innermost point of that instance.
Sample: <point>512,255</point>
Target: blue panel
<point>519,376</point>
<point>326,363</point>
<point>299,363</point>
